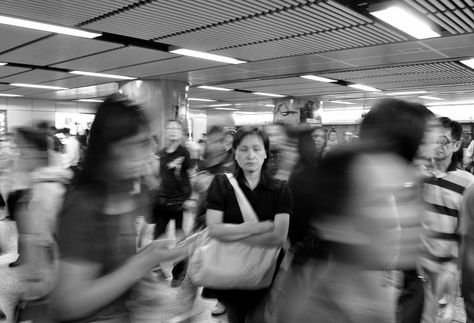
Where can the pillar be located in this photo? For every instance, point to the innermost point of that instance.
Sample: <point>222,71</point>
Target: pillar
<point>162,100</point>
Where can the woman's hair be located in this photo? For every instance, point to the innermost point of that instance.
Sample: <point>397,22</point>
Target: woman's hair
<point>117,118</point>
<point>398,124</point>
<point>259,132</point>
<point>34,136</point>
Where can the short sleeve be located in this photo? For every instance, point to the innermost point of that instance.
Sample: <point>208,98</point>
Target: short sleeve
<point>216,195</point>
<point>78,237</point>
<point>285,201</point>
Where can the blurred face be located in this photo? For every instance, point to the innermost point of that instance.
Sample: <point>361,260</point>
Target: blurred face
<point>174,131</point>
<point>276,135</point>
<point>319,137</point>
<point>250,154</point>
<point>332,136</point>
<point>128,157</point>
<point>228,140</point>
<point>428,144</point>
<point>445,146</point>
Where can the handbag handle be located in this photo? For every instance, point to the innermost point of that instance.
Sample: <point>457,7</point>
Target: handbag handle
<point>246,208</point>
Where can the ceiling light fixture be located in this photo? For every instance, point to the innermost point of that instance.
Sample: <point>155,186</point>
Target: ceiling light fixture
<point>214,88</point>
<point>47,27</point>
<point>203,100</point>
<point>204,55</point>
<point>269,94</point>
<point>468,62</point>
<point>405,21</point>
<point>10,95</point>
<point>90,100</point>
<point>341,102</point>
<point>318,78</point>
<point>110,76</point>
<point>363,87</point>
<point>430,98</point>
<point>3,64</point>
<point>220,105</point>
<point>269,105</point>
<point>38,86</point>
<point>407,93</point>
<point>227,109</point>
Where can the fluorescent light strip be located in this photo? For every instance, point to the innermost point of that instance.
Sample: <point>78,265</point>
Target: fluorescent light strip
<point>451,103</point>
<point>214,88</point>
<point>269,94</point>
<point>405,21</point>
<point>220,105</point>
<point>3,64</point>
<point>269,105</point>
<point>204,55</point>
<point>227,109</point>
<point>430,98</point>
<point>10,95</point>
<point>203,100</point>
<point>110,76</point>
<point>469,62</point>
<point>90,100</point>
<point>318,78</point>
<point>341,102</point>
<point>363,87</point>
<point>407,93</point>
<point>47,27</point>
<point>37,86</point>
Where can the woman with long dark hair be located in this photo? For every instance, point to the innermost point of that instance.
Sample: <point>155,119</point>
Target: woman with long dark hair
<point>269,197</point>
<point>96,234</point>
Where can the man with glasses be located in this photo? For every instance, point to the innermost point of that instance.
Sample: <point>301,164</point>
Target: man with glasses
<point>443,194</point>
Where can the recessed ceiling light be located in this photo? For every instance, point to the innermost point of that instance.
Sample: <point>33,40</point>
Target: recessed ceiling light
<point>204,100</point>
<point>110,76</point>
<point>90,100</point>
<point>341,102</point>
<point>405,21</point>
<point>220,105</point>
<point>38,86</point>
<point>407,93</point>
<point>318,78</point>
<point>47,27</point>
<point>430,98</point>
<point>214,88</point>
<point>468,62</point>
<point>270,94</point>
<point>363,87</point>
<point>10,95</point>
<point>228,109</point>
<point>204,55</point>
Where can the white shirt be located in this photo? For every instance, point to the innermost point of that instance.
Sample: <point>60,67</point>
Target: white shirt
<point>71,151</point>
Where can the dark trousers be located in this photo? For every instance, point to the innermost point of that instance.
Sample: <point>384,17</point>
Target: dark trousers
<point>410,302</point>
<point>467,283</point>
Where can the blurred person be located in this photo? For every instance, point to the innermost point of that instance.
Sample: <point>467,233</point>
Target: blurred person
<point>269,197</point>
<point>99,263</point>
<point>283,150</point>
<point>174,189</point>
<point>348,137</point>
<point>72,149</point>
<point>319,136</point>
<point>332,141</point>
<point>443,193</point>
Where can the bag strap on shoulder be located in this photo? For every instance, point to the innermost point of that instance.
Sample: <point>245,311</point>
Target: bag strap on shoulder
<point>248,213</point>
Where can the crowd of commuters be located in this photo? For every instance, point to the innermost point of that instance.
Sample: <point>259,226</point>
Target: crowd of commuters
<point>334,220</point>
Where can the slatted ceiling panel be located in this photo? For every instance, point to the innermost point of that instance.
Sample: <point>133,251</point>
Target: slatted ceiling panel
<point>34,76</point>
<point>63,12</point>
<point>16,36</point>
<point>124,56</point>
<point>9,70</point>
<point>76,81</point>
<point>270,82</point>
<point>101,90</point>
<point>25,91</point>
<point>56,49</point>
<point>456,16</point>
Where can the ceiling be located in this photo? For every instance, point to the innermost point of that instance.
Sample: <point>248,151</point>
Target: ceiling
<point>280,40</point>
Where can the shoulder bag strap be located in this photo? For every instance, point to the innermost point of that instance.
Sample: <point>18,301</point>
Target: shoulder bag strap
<point>246,209</point>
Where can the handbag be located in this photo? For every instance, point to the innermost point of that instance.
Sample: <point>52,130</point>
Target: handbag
<point>233,265</point>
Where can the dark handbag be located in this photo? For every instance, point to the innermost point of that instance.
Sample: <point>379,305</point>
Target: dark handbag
<point>34,311</point>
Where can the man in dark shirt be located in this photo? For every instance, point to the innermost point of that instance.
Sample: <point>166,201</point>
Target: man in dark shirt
<point>175,188</point>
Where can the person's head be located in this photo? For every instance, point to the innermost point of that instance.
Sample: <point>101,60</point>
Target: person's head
<point>119,142</point>
<point>332,135</point>
<point>251,148</point>
<point>277,135</point>
<point>174,130</point>
<point>228,140</point>
<point>66,132</point>
<point>448,141</point>
<point>397,125</point>
<point>32,144</point>
<point>319,136</point>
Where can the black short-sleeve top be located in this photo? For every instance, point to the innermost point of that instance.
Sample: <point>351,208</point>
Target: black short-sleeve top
<point>267,198</point>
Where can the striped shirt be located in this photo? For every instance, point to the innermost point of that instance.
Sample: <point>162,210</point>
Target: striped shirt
<point>443,194</point>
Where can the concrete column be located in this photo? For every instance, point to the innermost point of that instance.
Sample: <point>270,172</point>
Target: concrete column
<point>298,110</point>
<point>162,100</point>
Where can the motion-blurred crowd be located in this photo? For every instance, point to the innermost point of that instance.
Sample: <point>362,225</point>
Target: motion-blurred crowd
<point>378,227</point>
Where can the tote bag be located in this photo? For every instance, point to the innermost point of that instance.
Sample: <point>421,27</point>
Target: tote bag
<point>233,265</point>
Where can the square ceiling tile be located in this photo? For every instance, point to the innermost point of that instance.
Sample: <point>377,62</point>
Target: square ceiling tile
<point>34,76</point>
